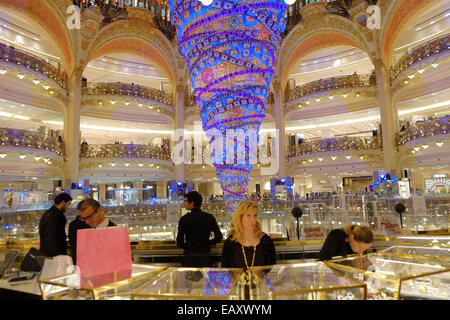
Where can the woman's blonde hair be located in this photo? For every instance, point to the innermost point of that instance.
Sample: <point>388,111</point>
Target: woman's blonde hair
<point>236,221</point>
<point>360,233</point>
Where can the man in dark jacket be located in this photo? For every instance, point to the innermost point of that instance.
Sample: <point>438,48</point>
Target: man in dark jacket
<point>52,227</point>
<point>90,215</point>
<point>194,230</point>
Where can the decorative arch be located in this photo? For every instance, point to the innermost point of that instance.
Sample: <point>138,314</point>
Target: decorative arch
<point>397,15</point>
<point>45,14</point>
<point>314,42</point>
<point>136,36</point>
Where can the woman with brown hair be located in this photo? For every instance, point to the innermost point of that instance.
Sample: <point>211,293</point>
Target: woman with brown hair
<point>247,245</point>
<point>350,239</point>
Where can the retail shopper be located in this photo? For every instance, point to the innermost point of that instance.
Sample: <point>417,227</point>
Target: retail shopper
<point>194,230</point>
<point>247,244</point>
<point>52,227</point>
<point>351,239</point>
<point>90,215</point>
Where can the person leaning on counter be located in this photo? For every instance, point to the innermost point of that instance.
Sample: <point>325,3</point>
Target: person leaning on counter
<point>351,239</point>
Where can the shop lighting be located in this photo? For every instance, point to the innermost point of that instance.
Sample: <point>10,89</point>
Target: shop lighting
<point>320,159</point>
<point>36,81</point>
<point>331,97</point>
<point>140,105</point>
<point>358,95</point>
<point>46,87</point>
<point>113,102</point>
<point>310,160</point>
<point>37,158</point>
<point>333,158</point>
<point>439,144</point>
<point>127,103</point>
<point>127,164</point>
<point>425,146</point>
<point>140,164</point>
<point>113,164</point>
<point>421,71</point>
<point>411,76</point>
<point>406,82</point>
<point>99,165</point>
<point>318,99</point>
<point>307,102</point>
<point>2,155</point>
<point>20,76</point>
<point>3,71</point>
<point>22,156</point>
<point>435,65</point>
<point>348,157</point>
<point>417,148</point>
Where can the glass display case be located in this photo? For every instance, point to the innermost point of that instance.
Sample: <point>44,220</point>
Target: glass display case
<point>304,281</point>
<point>390,276</point>
<point>439,241</point>
<point>191,284</point>
<point>71,287</point>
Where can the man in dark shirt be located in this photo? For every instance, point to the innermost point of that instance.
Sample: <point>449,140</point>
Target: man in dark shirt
<point>52,227</point>
<point>194,230</point>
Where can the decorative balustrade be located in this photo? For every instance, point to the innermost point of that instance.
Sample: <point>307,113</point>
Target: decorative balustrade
<point>104,88</point>
<point>424,129</point>
<point>13,55</point>
<point>117,9</point>
<point>30,139</point>
<point>335,144</point>
<point>149,151</point>
<point>323,85</point>
<point>419,53</point>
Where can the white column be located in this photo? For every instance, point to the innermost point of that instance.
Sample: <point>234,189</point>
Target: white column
<point>280,127</point>
<point>388,116</point>
<point>179,125</point>
<point>71,134</point>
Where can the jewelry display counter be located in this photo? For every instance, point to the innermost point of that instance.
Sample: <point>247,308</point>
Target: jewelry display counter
<point>72,287</point>
<point>191,284</point>
<point>304,281</point>
<point>391,276</point>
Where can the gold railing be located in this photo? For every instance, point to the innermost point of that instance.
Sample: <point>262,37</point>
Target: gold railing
<point>323,85</point>
<point>30,139</point>
<point>424,129</point>
<point>149,151</point>
<point>118,88</point>
<point>13,55</point>
<point>335,144</point>
<point>419,53</point>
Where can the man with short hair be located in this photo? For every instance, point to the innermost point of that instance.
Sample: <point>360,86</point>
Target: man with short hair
<point>90,215</point>
<point>52,227</point>
<point>194,230</point>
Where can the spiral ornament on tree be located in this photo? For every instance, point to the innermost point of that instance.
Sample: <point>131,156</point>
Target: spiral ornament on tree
<point>230,49</point>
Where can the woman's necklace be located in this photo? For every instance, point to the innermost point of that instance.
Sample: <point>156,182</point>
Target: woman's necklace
<point>245,257</point>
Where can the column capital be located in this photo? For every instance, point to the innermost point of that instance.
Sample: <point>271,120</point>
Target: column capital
<point>379,63</point>
<point>77,72</point>
<point>276,84</point>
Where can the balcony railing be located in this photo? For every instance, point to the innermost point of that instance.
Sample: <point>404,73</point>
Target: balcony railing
<point>13,55</point>
<point>149,151</point>
<point>114,10</point>
<point>30,139</point>
<point>421,129</point>
<point>118,88</point>
<point>419,53</point>
<point>335,144</point>
<point>323,85</point>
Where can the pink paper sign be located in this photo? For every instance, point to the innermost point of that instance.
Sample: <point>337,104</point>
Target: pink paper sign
<point>103,255</point>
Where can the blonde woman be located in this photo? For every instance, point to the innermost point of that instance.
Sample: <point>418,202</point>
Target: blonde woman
<point>350,239</point>
<point>247,245</point>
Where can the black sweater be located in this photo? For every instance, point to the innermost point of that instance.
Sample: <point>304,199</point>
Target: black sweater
<point>335,245</point>
<point>52,232</point>
<point>230,247</point>
<point>194,229</point>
